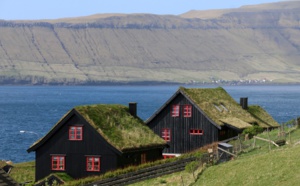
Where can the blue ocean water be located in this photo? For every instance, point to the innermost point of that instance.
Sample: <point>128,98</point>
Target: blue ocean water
<point>35,109</point>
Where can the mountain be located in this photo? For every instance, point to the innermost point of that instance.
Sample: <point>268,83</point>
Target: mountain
<point>250,43</point>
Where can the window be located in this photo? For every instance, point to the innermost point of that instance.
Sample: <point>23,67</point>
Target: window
<point>58,163</point>
<point>168,156</point>
<point>92,163</point>
<point>222,132</point>
<point>196,132</point>
<point>166,134</point>
<point>75,133</point>
<point>175,110</point>
<point>187,111</point>
<point>143,158</point>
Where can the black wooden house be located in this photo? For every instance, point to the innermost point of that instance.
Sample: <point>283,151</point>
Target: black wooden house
<point>91,140</point>
<point>195,117</point>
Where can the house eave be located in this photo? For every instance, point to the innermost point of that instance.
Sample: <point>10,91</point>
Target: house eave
<point>138,149</point>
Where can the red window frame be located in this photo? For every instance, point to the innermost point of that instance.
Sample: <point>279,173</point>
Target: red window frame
<point>168,156</point>
<point>58,163</point>
<point>175,110</point>
<point>166,134</point>
<point>187,111</point>
<point>75,133</point>
<point>143,158</point>
<point>93,163</point>
<point>222,132</point>
<point>196,132</point>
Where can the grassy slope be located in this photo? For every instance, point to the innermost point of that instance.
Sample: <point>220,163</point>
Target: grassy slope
<point>230,48</point>
<point>278,167</point>
<point>259,166</point>
<point>23,172</point>
<point>176,179</point>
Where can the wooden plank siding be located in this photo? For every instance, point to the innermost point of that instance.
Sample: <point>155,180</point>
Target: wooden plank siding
<point>181,139</point>
<point>76,151</point>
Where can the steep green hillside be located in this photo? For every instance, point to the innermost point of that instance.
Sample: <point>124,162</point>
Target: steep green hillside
<point>260,42</point>
<point>279,167</point>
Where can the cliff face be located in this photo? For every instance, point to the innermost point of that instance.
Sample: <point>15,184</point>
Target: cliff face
<point>255,42</point>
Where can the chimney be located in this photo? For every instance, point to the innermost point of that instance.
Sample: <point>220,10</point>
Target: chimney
<point>244,103</point>
<point>133,109</point>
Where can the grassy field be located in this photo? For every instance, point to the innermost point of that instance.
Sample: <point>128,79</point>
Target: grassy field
<point>176,179</point>
<point>23,172</point>
<point>277,167</point>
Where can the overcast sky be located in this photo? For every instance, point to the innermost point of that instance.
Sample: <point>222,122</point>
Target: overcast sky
<point>53,9</point>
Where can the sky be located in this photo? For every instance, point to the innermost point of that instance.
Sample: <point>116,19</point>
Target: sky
<point>54,9</point>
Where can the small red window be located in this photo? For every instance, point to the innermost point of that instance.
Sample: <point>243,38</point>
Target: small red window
<point>196,132</point>
<point>168,156</point>
<point>143,158</point>
<point>93,163</point>
<point>222,133</point>
<point>166,134</point>
<point>187,111</point>
<point>75,133</point>
<point>58,163</point>
<point>175,110</point>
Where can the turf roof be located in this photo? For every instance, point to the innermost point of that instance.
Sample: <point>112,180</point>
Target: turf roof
<point>262,116</point>
<point>119,127</point>
<point>221,108</point>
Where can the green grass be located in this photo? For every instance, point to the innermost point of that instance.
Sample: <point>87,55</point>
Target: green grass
<point>277,167</point>
<point>221,107</point>
<point>175,179</point>
<point>263,118</point>
<point>255,166</point>
<point>259,166</point>
<point>23,172</point>
<point>119,127</point>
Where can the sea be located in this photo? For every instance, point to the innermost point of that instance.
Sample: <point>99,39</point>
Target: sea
<point>27,113</point>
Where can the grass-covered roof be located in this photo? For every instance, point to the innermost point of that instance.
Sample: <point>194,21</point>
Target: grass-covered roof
<point>119,127</point>
<point>221,108</point>
<point>262,116</point>
<point>218,105</point>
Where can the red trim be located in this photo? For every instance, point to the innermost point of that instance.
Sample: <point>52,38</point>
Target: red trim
<point>187,111</point>
<point>93,164</point>
<point>196,132</point>
<point>175,110</point>
<point>75,133</point>
<point>166,134</point>
<point>58,163</point>
<point>143,158</point>
<point>168,156</point>
<point>222,132</point>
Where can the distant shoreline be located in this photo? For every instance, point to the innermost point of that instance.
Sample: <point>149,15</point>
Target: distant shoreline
<point>147,83</point>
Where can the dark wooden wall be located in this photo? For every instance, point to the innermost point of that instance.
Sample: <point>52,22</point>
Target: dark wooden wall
<point>76,151</point>
<point>181,139</point>
<point>134,158</point>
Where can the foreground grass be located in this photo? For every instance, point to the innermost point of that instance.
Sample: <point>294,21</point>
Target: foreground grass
<point>261,165</point>
<point>23,172</point>
<point>175,179</point>
<point>278,167</point>
<point>256,166</point>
